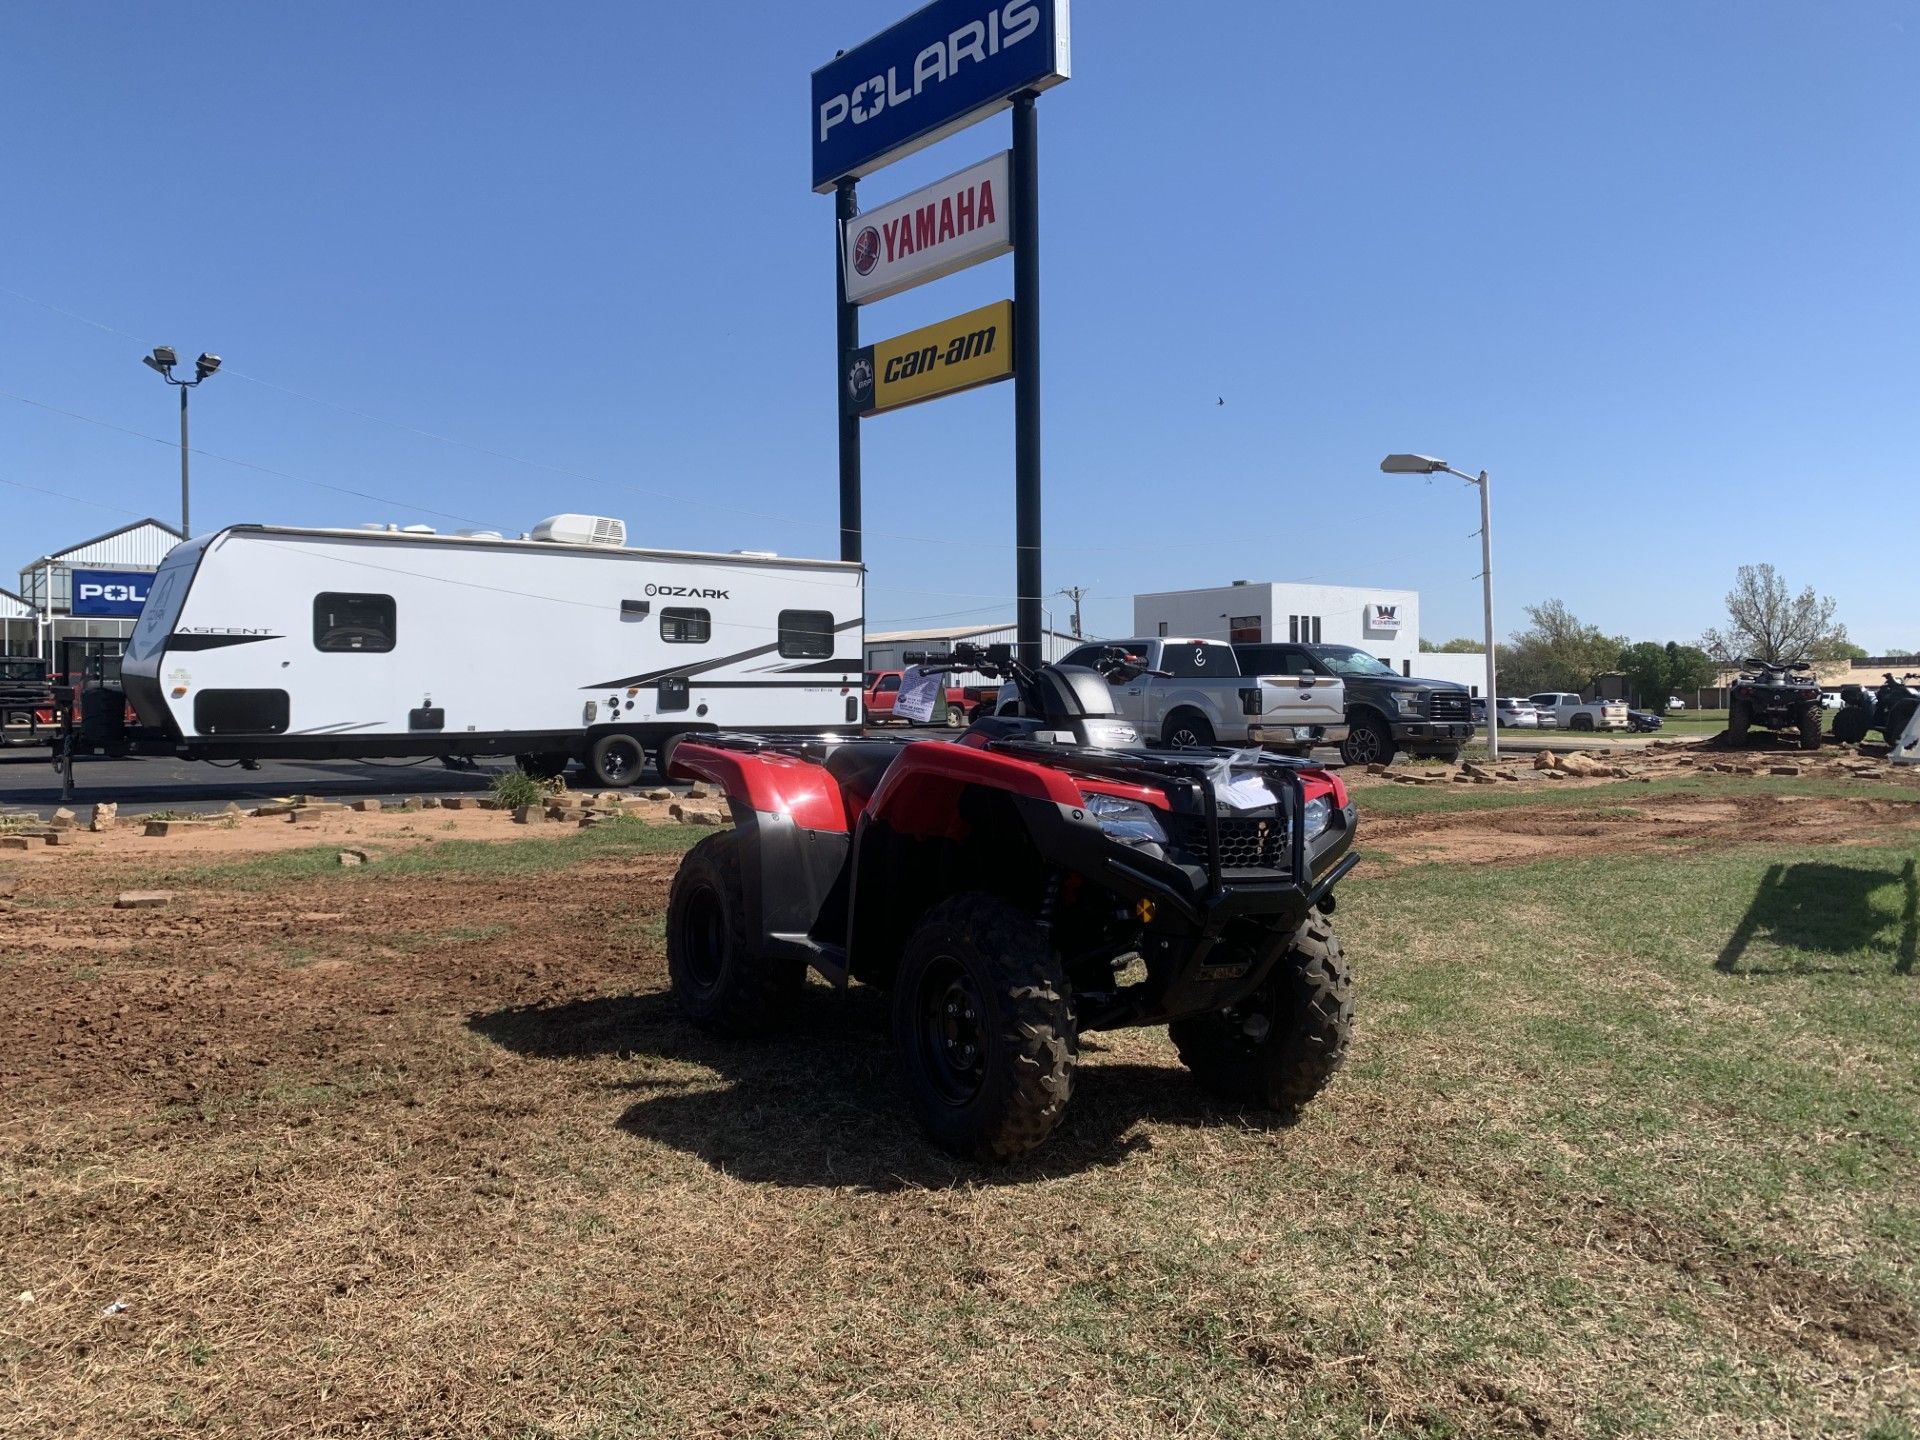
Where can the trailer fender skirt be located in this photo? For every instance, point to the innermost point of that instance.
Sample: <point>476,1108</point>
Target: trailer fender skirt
<point>768,783</point>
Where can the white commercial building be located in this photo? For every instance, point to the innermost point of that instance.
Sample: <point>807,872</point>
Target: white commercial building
<point>46,584</point>
<point>1384,623</point>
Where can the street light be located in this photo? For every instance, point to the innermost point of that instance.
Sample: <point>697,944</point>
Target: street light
<point>162,361</point>
<point>1427,465</point>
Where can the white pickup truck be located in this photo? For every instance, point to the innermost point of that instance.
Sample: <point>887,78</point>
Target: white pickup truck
<point>1563,710</point>
<point>1203,699</point>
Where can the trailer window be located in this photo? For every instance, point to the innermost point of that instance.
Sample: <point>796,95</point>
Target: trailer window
<point>353,622</point>
<point>680,625</point>
<point>806,634</point>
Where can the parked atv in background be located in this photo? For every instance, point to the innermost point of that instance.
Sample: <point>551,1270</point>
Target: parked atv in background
<point>1044,875</point>
<point>1781,698</point>
<point>1887,710</point>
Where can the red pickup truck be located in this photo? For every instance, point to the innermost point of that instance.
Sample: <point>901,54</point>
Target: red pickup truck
<point>963,701</point>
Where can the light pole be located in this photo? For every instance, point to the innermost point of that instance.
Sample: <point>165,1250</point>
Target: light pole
<point>162,361</point>
<point>1427,465</point>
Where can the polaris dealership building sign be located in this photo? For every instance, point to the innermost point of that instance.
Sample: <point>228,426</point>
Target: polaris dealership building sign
<point>937,71</point>
<point>951,224</point>
<point>110,593</point>
<point>952,355</point>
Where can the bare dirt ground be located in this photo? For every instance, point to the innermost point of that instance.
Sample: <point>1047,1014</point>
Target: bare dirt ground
<point>422,1150</point>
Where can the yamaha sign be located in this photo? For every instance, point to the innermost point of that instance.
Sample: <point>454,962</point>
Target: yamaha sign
<point>110,593</point>
<point>937,71</point>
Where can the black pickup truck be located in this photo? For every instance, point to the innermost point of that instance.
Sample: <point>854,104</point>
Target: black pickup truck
<point>1386,711</point>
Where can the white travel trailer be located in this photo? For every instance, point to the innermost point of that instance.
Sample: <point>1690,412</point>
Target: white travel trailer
<point>263,641</point>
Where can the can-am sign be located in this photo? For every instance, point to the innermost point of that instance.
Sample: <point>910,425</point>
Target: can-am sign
<point>953,223</point>
<point>939,359</point>
<point>110,592</point>
<point>937,71</point>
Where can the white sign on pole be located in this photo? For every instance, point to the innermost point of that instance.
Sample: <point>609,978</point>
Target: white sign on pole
<point>949,225</point>
<point>1383,617</point>
<point>918,690</point>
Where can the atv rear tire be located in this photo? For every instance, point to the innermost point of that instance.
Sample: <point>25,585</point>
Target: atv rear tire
<point>1810,736</point>
<point>1369,742</point>
<point>1739,718</point>
<point>983,1023</point>
<point>1278,1048</point>
<point>1188,730</point>
<point>1851,723</point>
<point>614,761</point>
<point>718,978</point>
<point>1898,720</point>
<point>663,757</point>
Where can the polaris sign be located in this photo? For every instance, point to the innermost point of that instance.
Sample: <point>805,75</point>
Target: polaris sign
<point>936,72</point>
<point>110,593</point>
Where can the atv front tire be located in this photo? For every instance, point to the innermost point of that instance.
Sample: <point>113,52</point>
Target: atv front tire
<point>1278,1048</point>
<point>718,978</point>
<point>983,1024</point>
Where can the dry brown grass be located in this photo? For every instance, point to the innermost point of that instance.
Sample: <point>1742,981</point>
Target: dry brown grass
<point>443,1162</point>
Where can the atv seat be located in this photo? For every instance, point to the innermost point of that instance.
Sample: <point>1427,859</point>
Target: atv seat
<point>857,767</point>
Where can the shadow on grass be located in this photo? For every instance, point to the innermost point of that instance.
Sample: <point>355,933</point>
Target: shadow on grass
<point>1817,909</point>
<point>821,1103</point>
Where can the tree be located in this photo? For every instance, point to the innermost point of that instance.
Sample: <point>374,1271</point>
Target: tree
<point>1767,620</point>
<point>1557,652</point>
<point>1655,671</point>
<point>1461,646</point>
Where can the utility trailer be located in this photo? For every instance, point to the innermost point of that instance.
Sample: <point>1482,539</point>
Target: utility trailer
<point>266,642</point>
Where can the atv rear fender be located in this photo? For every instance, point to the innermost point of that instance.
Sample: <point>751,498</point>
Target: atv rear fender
<point>794,828</point>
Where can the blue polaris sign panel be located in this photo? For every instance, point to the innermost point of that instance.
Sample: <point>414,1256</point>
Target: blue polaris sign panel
<point>110,593</point>
<point>937,71</point>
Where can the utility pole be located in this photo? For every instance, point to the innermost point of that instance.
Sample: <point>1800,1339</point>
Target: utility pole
<point>1074,593</point>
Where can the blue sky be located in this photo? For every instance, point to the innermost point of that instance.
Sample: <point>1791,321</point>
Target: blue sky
<point>1653,265</point>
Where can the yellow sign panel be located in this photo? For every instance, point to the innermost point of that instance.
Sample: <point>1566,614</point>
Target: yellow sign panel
<point>971,349</point>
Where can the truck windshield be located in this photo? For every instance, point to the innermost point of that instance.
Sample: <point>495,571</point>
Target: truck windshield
<point>1347,660</point>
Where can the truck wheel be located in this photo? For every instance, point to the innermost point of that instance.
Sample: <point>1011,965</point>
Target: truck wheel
<point>1810,736</point>
<point>956,718</point>
<point>663,755</point>
<point>1188,730</point>
<point>1278,1048</point>
<point>1368,742</point>
<point>983,1023</point>
<point>545,765</point>
<point>1739,718</point>
<point>1581,722</point>
<point>718,979</point>
<point>1851,723</point>
<point>615,760</point>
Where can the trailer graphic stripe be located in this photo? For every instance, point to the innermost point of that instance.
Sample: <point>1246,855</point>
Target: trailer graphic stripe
<point>653,676</point>
<point>214,642</point>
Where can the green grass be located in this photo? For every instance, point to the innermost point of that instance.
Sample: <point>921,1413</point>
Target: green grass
<point>530,855</point>
<point>1423,799</point>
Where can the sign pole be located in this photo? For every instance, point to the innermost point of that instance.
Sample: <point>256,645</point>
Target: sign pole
<point>847,340</point>
<point>1026,375</point>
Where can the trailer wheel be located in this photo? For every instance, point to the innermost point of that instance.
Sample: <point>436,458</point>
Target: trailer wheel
<point>718,978</point>
<point>1278,1048</point>
<point>614,761</point>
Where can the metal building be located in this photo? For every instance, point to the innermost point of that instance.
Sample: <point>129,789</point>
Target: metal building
<point>46,584</point>
<point>17,625</point>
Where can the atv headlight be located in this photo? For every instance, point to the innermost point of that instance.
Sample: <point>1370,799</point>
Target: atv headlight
<point>1318,814</point>
<point>1131,822</point>
<point>1408,701</point>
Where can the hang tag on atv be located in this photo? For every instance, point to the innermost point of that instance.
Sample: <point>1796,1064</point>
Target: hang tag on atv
<point>918,691</point>
<point>1245,792</point>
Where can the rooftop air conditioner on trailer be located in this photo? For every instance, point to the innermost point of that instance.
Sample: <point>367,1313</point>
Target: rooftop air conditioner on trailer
<point>581,530</point>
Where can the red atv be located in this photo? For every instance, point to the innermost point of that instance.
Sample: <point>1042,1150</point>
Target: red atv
<point>1001,885</point>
